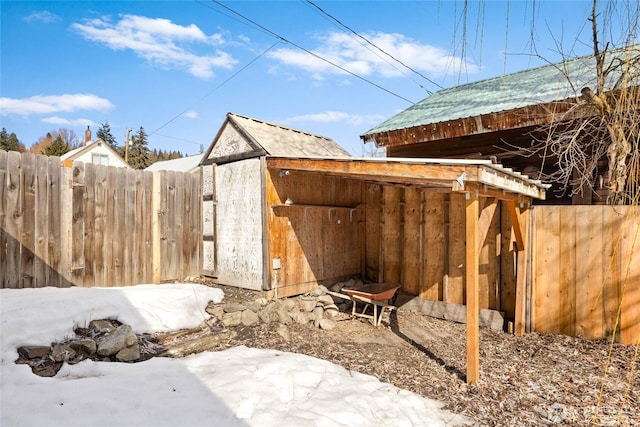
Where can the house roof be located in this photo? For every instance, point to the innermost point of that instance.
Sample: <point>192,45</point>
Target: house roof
<point>545,84</point>
<point>245,137</point>
<point>182,164</point>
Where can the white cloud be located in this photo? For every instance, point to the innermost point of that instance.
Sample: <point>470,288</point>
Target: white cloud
<point>365,60</point>
<point>44,16</point>
<point>61,121</point>
<point>336,117</point>
<point>191,114</point>
<point>51,104</point>
<point>159,41</point>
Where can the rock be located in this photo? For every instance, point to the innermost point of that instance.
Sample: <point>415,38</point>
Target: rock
<point>262,301</point>
<point>232,319</point>
<point>47,369</point>
<point>129,354</point>
<point>317,315</point>
<point>34,351</point>
<point>300,317</point>
<point>63,353</point>
<point>254,306</point>
<point>320,290</point>
<point>327,324</point>
<point>308,303</point>
<point>338,287</point>
<point>84,346</point>
<point>325,300</point>
<point>283,331</point>
<point>249,317</point>
<point>331,311</point>
<point>231,308</point>
<point>288,304</point>
<point>101,326</point>
<point>197,345</point>
<point>215,311</point>
<point>114,341</point>
<point>283,315</point>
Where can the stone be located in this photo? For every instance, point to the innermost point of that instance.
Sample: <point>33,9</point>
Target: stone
<point>231,308</point>
<point>327,324</point>
<point>215,311</point>
<point>62,353</point>
<point>249,317</point>
<point>232,319</point>
<point>84,346</point>
<point>128,354</point>
<point>325,300</point>
<point>34,351</point>
<point>283,331</point>
<point>317,315</point>
<point>114,341</point>
<point>47,369</point>
<point>288,304</point>
<point>101,326</point>
<point>283,316</point>
<point>300,317</point>
<point>262,301</point>
<point>308,303</point>
<point>269,313</point>
<point>254,306</point>
<point>331,310</point>
<point>320,290</point>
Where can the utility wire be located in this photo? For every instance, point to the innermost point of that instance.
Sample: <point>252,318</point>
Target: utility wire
<point>315,55</point>
<point>227,80</point>
<point>377,47</point>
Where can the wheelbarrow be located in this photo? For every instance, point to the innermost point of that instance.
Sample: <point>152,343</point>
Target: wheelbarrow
<point>377,295</point>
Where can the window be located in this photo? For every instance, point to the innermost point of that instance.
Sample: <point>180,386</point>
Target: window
<point>100,159</point>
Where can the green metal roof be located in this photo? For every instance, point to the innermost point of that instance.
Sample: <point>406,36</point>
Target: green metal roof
<point>530,87</point>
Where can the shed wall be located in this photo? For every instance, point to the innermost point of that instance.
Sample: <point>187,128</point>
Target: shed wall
<point>238,224</point>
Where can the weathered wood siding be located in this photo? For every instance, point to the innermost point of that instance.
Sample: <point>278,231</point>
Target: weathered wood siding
<point>93,225</point>
<point>586,271</point>
<point>239,224</point>
<point>316,238</point>
<point>417,238</point>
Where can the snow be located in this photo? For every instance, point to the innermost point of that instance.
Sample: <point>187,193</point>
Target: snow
<point>236,387</point>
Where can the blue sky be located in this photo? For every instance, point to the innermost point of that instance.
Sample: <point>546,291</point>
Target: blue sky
<point>176,68</point>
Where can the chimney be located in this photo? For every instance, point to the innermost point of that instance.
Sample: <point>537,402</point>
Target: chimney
<point>87,136</point>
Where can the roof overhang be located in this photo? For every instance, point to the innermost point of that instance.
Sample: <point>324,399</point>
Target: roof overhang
<point>443,175</point>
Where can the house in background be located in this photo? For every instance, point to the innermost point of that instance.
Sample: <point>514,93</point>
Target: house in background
<point>96,152</point>
<point>189,164</point>
<point>498,119</point>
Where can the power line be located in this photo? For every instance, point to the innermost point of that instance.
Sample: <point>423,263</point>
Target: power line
<point>227,80</point>
<point>376,46</point>
<point>315,55</point>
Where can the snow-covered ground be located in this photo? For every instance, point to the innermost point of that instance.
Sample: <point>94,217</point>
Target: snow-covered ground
<point>237,387</point>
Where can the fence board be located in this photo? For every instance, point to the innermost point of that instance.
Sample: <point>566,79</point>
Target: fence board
<point>547,277</point>
<point>391,238</point>
<point>630,298</point>
<point>412,259</point>
<point>567,271</point>
<point>41,222</point>
<point>3,207</point>
<point>373,214</point>
<point>111,245</point>
<point>507,264</point>
<point>27,239</point>
<point>455,290</point>
<point>434,247</point>
<point>100,225</point>
<point>55,272</point>
<point>13,220</point>
<point>77,225</point>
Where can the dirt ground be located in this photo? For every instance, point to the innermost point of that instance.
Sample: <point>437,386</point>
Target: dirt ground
<point>533,380</point>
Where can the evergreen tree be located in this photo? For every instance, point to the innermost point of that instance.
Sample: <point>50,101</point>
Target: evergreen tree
<point>104,133</point>
<point>10,142</point>
<point>138,156</point>
<point>57,148</point>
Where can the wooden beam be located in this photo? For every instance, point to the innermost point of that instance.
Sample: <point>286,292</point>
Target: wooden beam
<point>516,221</point>
<point>472,285</point>
<point>521,277</point>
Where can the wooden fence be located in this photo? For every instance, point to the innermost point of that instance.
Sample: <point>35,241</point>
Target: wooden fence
<point>586,272</point>
<point>92,225</point>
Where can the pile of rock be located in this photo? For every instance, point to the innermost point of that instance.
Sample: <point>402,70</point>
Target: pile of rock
<point>320,307</point>
<point>103,340</point>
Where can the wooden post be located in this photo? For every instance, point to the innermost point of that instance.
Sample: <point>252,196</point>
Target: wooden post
<point>521,274</point>
<point>472,285</point>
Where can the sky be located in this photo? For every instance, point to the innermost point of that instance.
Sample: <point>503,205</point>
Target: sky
<point>240,386</point>
<point>332,68</point>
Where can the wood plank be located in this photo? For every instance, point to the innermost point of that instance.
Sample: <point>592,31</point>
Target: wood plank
<point>89,224</point>
<point>455,291</point>
<point>66,223</point>
<point>630,256</point>
<point>132,239</point>
<point>110,243</point>
<point>567,260</point>
<point>435,246</point>
<point>392,234</point>
<point>589,272</point>
<point>27,239</point>
<point>179,229</point>
<point>373,227</point>
<point>119,246</point>
<point>78,191</point>
<point>472,289</point>
<point>100,264</point>
<point>508,264</point>
<point>55,276</point>
<point>156,225</point>
<point>547,278</point>
<point>3,234</point>
<point>487,286</point>
<point>520,297</point>
<point>13,220</point>
<point>411,260</point>
<point>610,291</point>
<point>145,256</point>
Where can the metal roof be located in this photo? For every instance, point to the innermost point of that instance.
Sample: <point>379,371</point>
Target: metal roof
<point>182,164</point>
<point>530,87</point>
